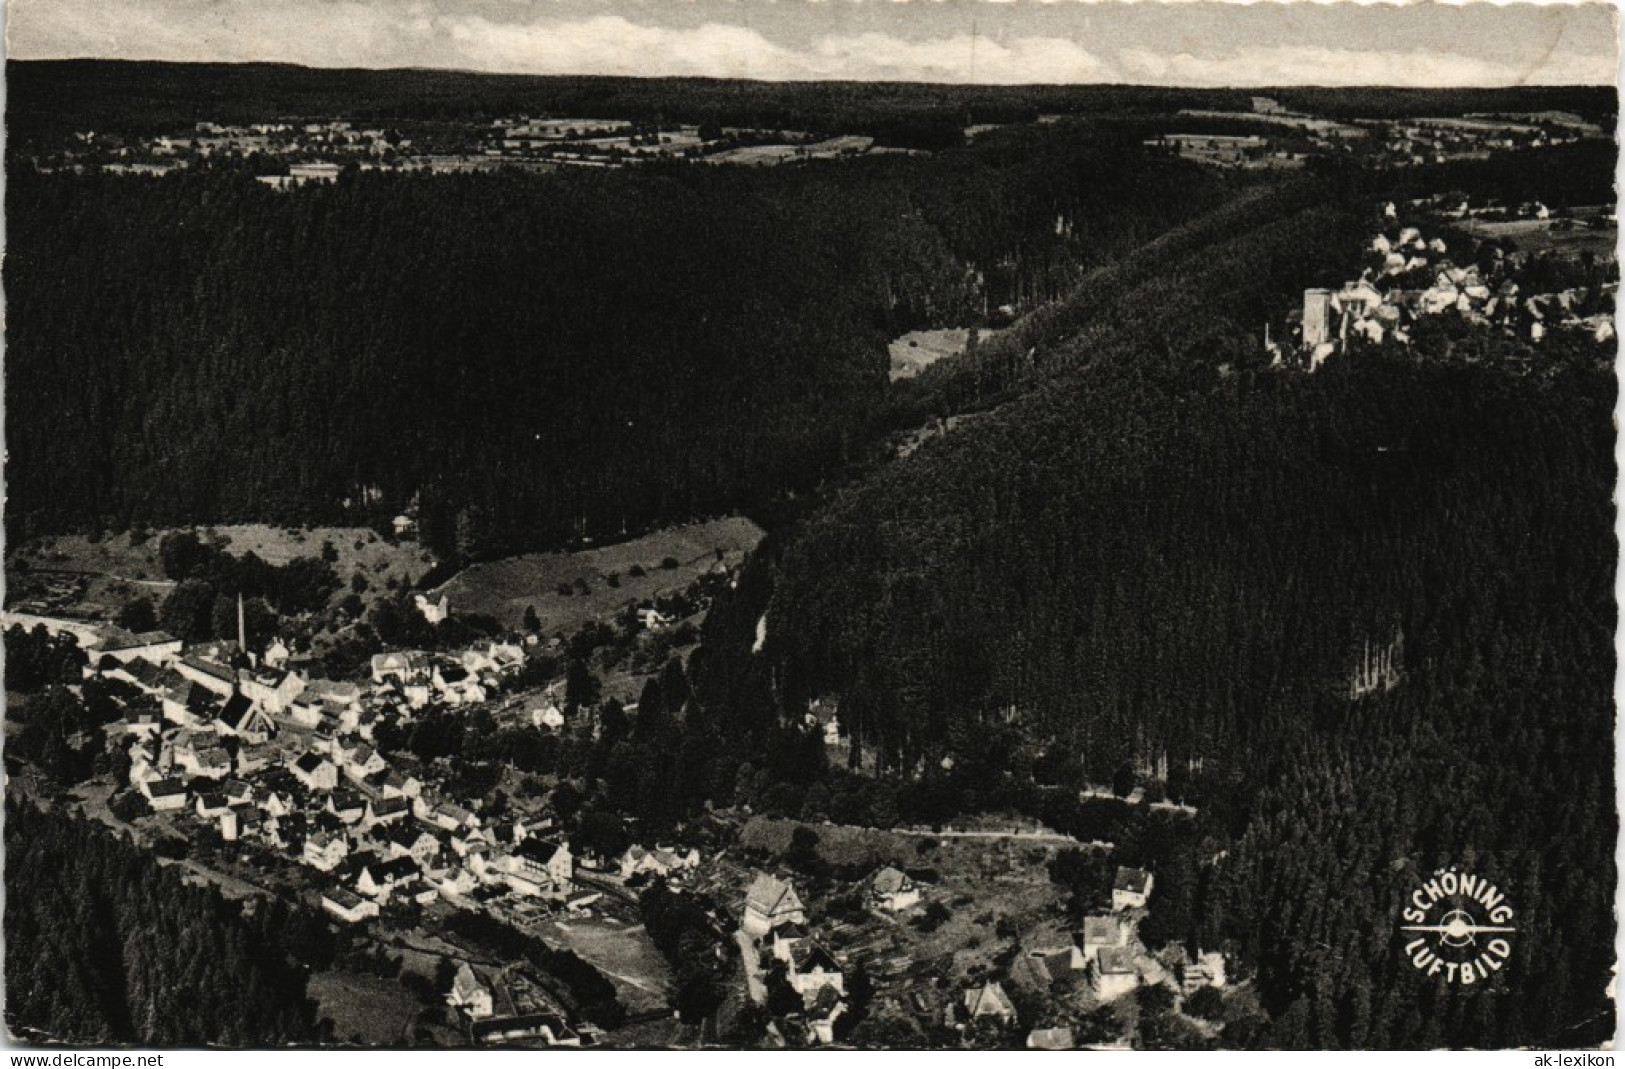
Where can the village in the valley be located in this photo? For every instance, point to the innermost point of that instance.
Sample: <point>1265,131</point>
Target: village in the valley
<point>241,762</point>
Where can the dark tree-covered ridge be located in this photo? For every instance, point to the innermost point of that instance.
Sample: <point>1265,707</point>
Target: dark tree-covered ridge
<point>536,357</point>
<point>104,946</point>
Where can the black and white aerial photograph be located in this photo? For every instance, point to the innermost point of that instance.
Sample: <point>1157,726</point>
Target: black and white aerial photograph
<point>782,525</point>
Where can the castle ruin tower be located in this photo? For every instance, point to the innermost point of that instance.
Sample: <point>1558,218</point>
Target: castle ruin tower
<point>1317,317</point>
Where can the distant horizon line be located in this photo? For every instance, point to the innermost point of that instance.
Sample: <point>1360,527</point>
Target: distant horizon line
<point>1386,87</point>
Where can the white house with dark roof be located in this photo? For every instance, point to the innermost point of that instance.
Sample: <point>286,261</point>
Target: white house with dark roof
<point>494,657</point>
<point>448,816</point>
<point>822,1011</point>
<point>143,723</point>
<point>400,785</point>
<point>989,1001</point>
<point>469,995</point>
<point>348,806</point>
<point>157,647</point>
<point>545,714</point>
<point>892,890</point>
<point>381,879</point>
<point>274,689</point>
<point>386,811</point>
<point>454,884</point>
<point>811,968</point>
<point>219,678</point>
<point>783,940</point>
<point>316,772</point>
<point>400,666</point>
<point>407,839</point>
<point>253,759</point>
<point>465,838</point>
<point>457,685</point>
<point>1103,931</point>
<point>164,794</point>
<point>189,703</point>
<point>242,719</point>
<point>658,861</point>
<point>348,906</point>
<point>210,805</point>
<point>770,902</point>
<point>1131,889</point>
<point>1115,974</point>
<point>548,860</point>
<point>201,758</point>
<point>324,850</point>
<point>306,711</point>
<point>359,759</point>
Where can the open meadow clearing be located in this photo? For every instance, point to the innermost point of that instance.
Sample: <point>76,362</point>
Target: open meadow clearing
<point>600,580</point>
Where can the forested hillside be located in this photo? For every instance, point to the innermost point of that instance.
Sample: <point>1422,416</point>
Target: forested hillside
<point>103,946</point>
<point>1166,563</point>
<point>536,356</point>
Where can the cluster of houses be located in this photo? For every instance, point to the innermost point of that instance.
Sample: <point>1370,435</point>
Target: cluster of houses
<point>1422,141</point>
<point>269,756</point>
<point>1414,278</point>
<point>1239,151</point>
<point>502,1006</point>
<point>775,919</point>
<point>1106,957</point>
<point>420,679</point>
<point>271,138</point>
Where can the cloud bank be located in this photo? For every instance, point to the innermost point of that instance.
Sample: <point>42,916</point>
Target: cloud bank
<point>635,39</point>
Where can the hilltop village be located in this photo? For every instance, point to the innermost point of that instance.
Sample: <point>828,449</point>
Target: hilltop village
<point>1273,137</point>
<point>1479,277</point>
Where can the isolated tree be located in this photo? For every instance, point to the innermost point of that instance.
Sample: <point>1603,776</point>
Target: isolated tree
<point>186,613</point>
<point>181,553</point>
<point>138,615</point>
<point>581,687</point>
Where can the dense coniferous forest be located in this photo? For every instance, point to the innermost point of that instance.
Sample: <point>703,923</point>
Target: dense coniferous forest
<point>534,357</point>
<point>1169,551</point>
<point>105,946</point>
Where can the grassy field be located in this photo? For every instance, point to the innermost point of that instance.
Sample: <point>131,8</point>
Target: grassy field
<point>1537,235</point>
<point>624,954</point>
<point>119,570</point>
<point>505,588</point>
<point>365,1010</point>
<point>919,349</point>
<point>838,844</point>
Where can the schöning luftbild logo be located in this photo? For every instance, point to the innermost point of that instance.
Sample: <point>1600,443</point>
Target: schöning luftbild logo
<point>1459,927</point>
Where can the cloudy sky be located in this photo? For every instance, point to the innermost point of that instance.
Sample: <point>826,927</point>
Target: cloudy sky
<point>989,41</point>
